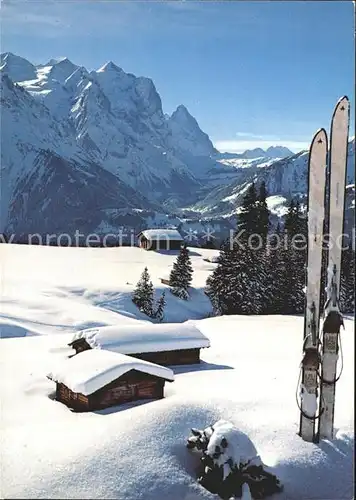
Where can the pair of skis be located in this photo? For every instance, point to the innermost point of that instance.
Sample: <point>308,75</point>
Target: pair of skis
<point>320,352</point>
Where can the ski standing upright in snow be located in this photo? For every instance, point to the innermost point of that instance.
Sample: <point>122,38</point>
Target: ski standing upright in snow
<point>311,346</point>
<point>333,319</point>
<point>321,352</point>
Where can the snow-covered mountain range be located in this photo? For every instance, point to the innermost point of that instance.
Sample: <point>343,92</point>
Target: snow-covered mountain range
<point>250,154</point>
<point>286,177</point>
<point>94,151</point>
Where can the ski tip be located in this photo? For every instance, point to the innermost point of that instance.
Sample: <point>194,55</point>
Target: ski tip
<point>344,100</point>
<point>342,105</point>
<point>320,139</point>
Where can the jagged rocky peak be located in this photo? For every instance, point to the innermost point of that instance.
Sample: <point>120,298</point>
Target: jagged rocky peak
<point>61,69</point>
<point>182,115</point>
<point>113,79</point>
<point>127,92</point>
<point>110,67</point>
<point>187,135</point>
<point>57,60</point>
<point>16,67</point>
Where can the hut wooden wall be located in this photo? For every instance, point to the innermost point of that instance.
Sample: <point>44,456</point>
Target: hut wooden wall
<point>164,358</point>
<point>127,391</point>
<point>74,400</point>
<point>132,386</point>
<point>162,244</point>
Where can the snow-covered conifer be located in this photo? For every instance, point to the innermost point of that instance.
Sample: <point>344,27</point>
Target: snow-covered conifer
<point>262,221</point>
<point>347,291</point>
<point>159,313</point>
<point>143,294</point>
<point>181,275</point>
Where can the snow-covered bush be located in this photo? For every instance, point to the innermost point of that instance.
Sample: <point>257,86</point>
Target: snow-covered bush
<point>180,293</point>
<point>161,304</point>
<point>230,465</point>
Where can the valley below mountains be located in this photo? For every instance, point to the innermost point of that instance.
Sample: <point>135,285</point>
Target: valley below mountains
<point>93,151</point>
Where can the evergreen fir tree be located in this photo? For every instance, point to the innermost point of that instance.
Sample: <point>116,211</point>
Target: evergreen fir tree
<point>277,286</point>
<point>290,220</point>
<point>248,215</point>
<point>220,284</point>
<point>143,294</point>
<point>252,280</point>
<point>159,314</point>
<point>347,289</point>
<point>181,274</point>
<point>237,285</point>
<point>295,280</point>
<point>295,252</point>
<point>262,223</point>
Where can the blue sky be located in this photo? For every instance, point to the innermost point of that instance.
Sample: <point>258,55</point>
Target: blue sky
<point>252,73</point>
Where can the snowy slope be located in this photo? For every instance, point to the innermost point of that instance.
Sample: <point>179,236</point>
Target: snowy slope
<point>137,452</point>
<point>64,290</point>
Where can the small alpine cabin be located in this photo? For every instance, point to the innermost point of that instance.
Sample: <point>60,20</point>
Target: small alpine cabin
<point>161,343</point>
<point>160,239</point>
<point>98,379</point>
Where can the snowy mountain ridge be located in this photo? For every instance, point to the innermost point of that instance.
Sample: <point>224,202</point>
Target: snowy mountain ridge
<point>94,151</point>
<point>107,118</point>
<point>285,178</point>
<point>273,152</point>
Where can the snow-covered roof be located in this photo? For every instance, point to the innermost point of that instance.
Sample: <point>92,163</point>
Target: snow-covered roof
<point>134,339</point>
<point>166,234</point>
<point>93,369</point>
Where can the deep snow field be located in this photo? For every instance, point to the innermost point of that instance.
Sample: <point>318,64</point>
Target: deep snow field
<point>55,290</point>
<point>137,451</point>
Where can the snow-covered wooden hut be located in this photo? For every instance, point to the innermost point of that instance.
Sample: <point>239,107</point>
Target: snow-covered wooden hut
<point>162,343</point>
<point>98,379</point>
<point>160,239</point>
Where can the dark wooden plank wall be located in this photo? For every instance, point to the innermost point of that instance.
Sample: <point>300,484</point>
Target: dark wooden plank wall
<point>131,387</point>
<point>162,244</point>
<point>72,399</point>
<point>164,358</point>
